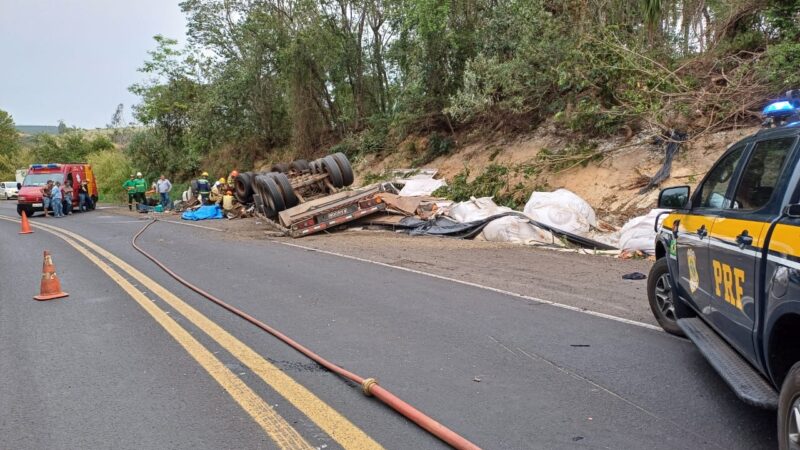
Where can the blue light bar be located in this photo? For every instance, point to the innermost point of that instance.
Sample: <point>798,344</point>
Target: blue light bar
<point>36,166</point>
<point>779,109</point>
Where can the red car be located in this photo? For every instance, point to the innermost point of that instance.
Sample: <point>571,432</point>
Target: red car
<point>30,194</point>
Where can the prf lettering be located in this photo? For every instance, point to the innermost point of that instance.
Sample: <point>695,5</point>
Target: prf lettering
<point>728,282</point>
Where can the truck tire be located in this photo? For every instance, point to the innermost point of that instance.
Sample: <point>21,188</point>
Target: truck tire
<point>243,187</point>
<point>270,195</point>
<point>300,166</point>
<point>661,295</point>
<point>789,411</point>
<point>346,168</point>
<point>316,167</point>
<point>94,203</point>
<point>335,174</point>
<point>289,198</point>
<point>280,167</point>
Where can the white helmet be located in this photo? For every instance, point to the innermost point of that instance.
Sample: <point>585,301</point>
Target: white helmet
<point>138,174</point>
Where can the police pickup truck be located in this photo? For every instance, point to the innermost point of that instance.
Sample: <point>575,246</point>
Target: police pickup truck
<point>727,273</point>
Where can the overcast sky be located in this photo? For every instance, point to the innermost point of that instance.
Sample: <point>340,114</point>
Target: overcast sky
<point>74,59</point>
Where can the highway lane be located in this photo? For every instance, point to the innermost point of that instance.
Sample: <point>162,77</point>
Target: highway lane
<point>504,372</point>
<point>94,370</point>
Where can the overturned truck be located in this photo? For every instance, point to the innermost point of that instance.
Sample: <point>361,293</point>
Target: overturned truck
<point>301,198</point>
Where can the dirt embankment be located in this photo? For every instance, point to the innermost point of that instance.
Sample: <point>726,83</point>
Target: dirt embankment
<point>610,184</point>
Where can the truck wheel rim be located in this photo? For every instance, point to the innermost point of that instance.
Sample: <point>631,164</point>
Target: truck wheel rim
<point>794,424</point>
<point>664,297</point>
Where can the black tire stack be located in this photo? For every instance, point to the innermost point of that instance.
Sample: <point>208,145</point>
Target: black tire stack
<point>275,187</point>
<point>243,187</point>
<point>337,166</point>
<point>276,193</point>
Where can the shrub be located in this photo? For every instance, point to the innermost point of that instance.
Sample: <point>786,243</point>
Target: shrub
<point>493,182</point>
<point>111,169</point>
<point>779,66</point>
<point>438,145</point>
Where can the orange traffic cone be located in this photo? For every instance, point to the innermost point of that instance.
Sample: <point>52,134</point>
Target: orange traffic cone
<point>26,227</point>
<point>51,287</point>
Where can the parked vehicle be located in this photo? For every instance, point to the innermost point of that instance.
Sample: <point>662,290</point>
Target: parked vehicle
<point>8,190</point>
<point>30,196</point>
<point>727,274</point>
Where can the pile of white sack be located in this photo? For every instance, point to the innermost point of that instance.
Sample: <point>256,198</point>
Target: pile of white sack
<point>560,209</point>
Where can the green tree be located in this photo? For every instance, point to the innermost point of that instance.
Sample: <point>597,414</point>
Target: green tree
<point>9,138</point>
<point>9,145</point>
<point>71,147</point>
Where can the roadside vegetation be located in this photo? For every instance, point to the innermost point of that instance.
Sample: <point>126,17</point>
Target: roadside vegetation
<point>359,77</point>
<point>259,81</point>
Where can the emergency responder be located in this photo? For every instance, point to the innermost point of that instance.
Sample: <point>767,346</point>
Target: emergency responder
<point>203,187</point>
<point>227,201</point>
<point>218,191</point>
<point>140,186</point>
<point>130,188</point>
<point>232,177</point>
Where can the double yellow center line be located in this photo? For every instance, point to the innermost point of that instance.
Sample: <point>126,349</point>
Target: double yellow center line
<point>276,427</point>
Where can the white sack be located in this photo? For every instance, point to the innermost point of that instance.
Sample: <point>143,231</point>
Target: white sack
<point>518,231</point>
<point>638,233</point>
<point>476,209</point>
<point>421,187</point>
<point>563,210</point>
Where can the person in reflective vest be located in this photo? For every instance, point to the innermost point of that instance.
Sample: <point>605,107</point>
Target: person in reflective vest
<point>204,187</point>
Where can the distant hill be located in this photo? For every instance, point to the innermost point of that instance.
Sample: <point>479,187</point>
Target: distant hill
<point>37,129</point>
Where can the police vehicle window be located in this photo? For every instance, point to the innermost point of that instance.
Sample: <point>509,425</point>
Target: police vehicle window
<point>761,173</point>
<point>712,192</point>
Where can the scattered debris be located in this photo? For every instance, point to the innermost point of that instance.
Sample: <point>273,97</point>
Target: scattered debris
<point>203,213</point>
<point>634,276</point>
<point>673,145</point>
<point>417,187</point>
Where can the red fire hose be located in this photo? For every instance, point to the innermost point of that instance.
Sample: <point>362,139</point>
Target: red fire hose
<point>369,386</point>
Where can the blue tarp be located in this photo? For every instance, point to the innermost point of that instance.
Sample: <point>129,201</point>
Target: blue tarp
<point>203,213</point>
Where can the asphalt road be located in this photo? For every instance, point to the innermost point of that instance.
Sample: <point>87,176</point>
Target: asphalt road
<point>98,370</point>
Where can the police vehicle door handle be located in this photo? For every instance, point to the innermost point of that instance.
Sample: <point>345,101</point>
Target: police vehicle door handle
<point>702,232</point>
<point>744,239</point>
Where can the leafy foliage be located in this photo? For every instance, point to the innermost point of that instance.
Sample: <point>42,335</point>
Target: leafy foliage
<point>111,169</point>
<point>361,75</point>
<point>70,147</point>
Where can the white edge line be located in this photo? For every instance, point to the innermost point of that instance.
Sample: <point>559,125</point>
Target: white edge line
<point>453,280</point>
<point>480,286</point>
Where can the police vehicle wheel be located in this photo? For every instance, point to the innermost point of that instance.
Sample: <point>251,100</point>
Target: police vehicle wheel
<point>789,411</point>
<point>659,294</point>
